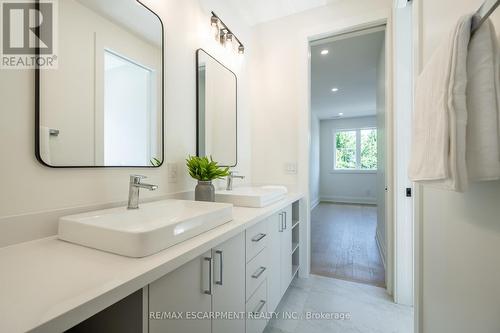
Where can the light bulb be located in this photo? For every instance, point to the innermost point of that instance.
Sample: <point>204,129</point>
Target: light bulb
<point>215,27</point>
<point>222,38</point>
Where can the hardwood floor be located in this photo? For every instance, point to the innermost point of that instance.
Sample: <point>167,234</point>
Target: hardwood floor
<point>343,244</point>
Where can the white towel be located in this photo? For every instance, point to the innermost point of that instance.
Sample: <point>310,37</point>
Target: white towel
<point>440,117</point>
<point>45,144</point>
<point>483,92</point>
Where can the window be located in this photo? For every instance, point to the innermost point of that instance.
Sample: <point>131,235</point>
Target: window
<point>355,149</point>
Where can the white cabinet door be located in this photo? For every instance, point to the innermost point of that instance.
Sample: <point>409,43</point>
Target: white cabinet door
<point>274,252</point>
<point>229,284</point>
<point>183,290</point>
<point>286,249</point>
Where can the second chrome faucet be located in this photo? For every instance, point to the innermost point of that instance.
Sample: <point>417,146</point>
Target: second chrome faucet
<point>230,178</point>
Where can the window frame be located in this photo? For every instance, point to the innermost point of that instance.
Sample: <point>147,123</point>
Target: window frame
<point>358,150</point>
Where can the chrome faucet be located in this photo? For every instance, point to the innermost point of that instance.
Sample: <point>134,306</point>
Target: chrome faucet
<point>133,191</point>
<point>230,177</point>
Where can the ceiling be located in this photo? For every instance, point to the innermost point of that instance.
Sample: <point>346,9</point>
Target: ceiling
<point>351,66</point>
<point>260,11</point>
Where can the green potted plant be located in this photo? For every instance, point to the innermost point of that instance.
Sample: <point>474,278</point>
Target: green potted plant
<point>205,170</point>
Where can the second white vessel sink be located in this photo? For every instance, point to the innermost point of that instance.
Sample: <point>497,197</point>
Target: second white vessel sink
<point>255,197</point>
<point>144,231</point>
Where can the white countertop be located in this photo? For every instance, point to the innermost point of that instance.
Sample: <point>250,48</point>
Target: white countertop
<point>50,285</point>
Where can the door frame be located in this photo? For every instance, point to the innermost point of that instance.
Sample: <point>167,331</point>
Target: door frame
<point>364,20</point>
<point>404,261</point>
<point>377,18</point>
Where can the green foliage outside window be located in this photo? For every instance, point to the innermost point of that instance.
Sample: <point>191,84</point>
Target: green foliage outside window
<point>350,156</point>
<point>369,149</point>
<point>346,150</point>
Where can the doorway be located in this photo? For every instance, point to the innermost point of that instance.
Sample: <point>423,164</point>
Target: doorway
<point>347,160</point>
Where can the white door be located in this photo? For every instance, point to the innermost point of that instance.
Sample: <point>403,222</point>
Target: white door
<point>229,283</point>
<point>274,273</point>
<point>184,290</point>
<point>128,109</point>
<point>286,249</point>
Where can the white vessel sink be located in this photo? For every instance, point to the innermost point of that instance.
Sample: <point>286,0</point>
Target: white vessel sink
<point>256,197</point>
<point>145,231</point>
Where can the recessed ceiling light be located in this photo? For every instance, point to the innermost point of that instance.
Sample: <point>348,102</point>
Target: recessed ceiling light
<point>335,89</point>
<point>324,52</point>
<point>341,114</point>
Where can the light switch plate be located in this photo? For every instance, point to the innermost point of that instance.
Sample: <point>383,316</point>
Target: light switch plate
<point>172,172</point>
<point>291,168</point>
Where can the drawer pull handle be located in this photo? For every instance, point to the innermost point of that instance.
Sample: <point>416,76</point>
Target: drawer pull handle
<point>221,258</point>
<point>258,238</point>
<point>209,291</point>
<point>258,273</point>
<point>259,307</point>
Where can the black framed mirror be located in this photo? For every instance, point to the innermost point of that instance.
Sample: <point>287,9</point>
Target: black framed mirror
<point>103,105</point>
<point>217,111</point>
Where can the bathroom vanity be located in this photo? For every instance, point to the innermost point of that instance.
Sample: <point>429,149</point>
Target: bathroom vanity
<point>166,266</point>
<point>245,265</point>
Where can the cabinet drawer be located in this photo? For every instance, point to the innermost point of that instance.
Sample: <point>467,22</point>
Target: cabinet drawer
<point>256,239</point>
<point>256,272</point>
<point>256,307</point>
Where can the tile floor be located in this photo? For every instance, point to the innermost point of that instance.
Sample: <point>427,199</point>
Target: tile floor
<point>370,308</point>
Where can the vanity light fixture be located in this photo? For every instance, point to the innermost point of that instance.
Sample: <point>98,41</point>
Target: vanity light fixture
<point>214,22</point>
<point>229,41</point>
<point>224,35</point>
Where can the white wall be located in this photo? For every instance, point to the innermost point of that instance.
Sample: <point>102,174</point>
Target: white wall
<point>381,154</point>
<point>279,90</point>
<point>340,186</point>
<point>28,187</point>
<point>315,160</point>
<point>460,232</point>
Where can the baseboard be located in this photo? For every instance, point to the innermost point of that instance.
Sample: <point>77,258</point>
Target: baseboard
<point>315,203</point>
<point>353,200</point>
<point>381,247</point>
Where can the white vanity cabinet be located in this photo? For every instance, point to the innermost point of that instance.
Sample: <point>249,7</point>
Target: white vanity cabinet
<point>214,282</point>
<point>274,276</point>
<point>228,295</point>
<point>280,256</point>
<point>286,249</point>
<point>182,290</point>
<point>248,273</point>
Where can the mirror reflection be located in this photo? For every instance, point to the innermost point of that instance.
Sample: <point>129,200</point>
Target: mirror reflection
<point>103,105</point>
<point>217,110</point>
